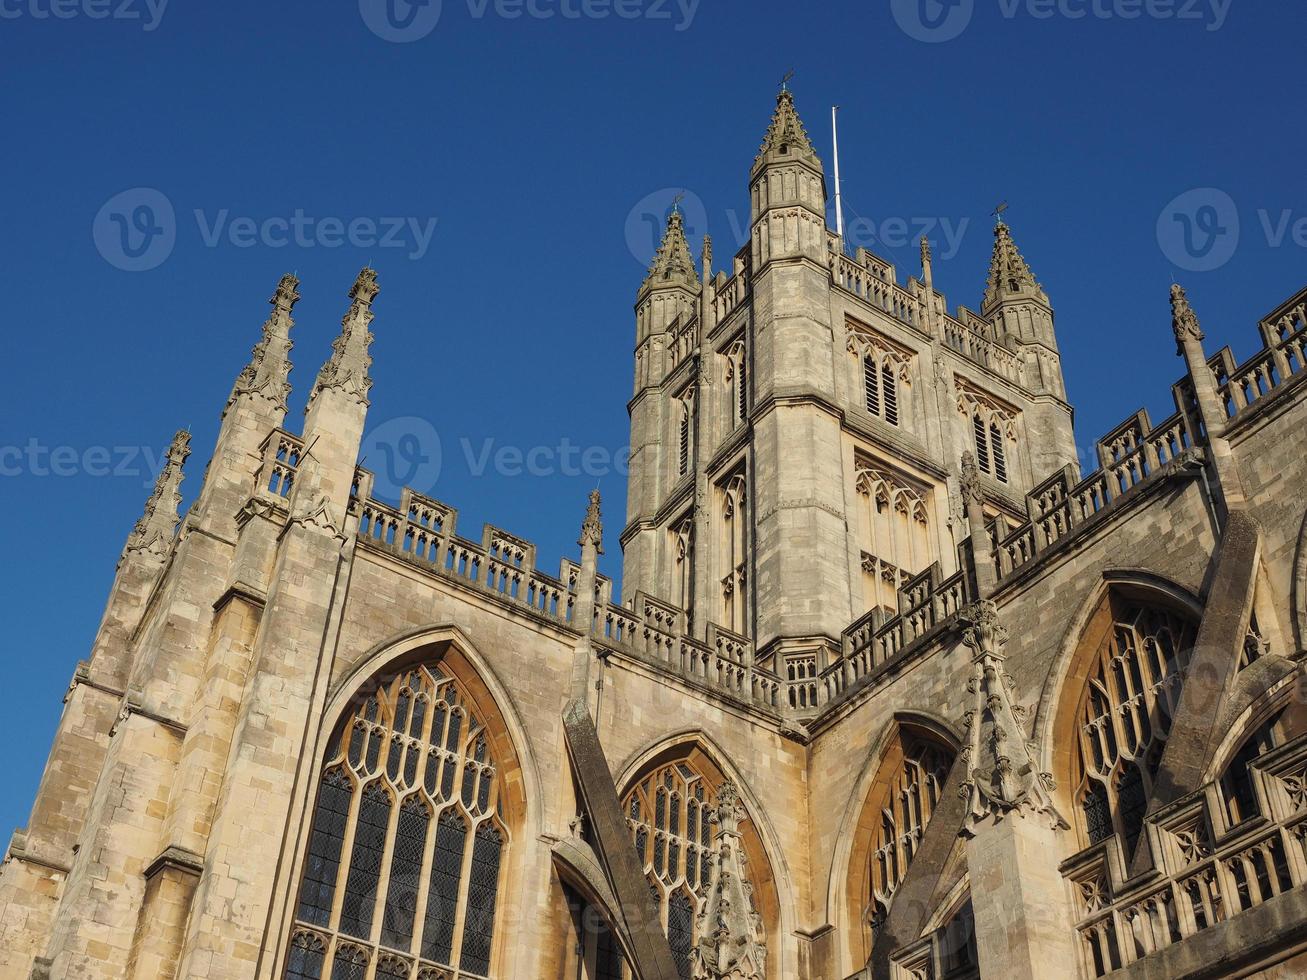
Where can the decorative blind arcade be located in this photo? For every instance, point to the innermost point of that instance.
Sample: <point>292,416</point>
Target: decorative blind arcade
<point>407,842</point>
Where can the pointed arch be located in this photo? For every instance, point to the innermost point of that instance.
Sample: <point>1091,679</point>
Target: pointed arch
<point>454,811</point>
<point>1108,700</point>
<point>773,885</point>
<point>849,883</point>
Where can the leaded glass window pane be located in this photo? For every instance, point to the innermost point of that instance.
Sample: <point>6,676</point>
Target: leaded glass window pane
<point>442,900</point>
<point>483,888</point>
<point>365,863</point>
<point>307,954</point>
<point>680,931</point>
<point>322,866</point>
<point>405,875</point>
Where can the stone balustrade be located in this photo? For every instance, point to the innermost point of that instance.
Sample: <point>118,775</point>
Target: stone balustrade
<point>1208,869</point>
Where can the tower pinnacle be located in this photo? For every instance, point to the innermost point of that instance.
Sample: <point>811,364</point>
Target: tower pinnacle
<point>268,372</point>
<point>786,138</point>
<point>153,532</point>
<point>1009,275</point>
<point>673,264</point>
<point>1184,321</point>
<point>347,370</point>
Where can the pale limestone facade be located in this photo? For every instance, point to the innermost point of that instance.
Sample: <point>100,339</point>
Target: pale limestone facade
<point>891,689</point>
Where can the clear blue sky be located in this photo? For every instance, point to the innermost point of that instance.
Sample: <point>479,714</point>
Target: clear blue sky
<point>536,144</point>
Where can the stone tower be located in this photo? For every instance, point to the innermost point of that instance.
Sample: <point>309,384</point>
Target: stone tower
<point>796,456</point>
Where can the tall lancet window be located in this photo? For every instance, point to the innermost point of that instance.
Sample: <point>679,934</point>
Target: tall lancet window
<point>1135,677</point>
<point>993,432</point>
<point>406,849</point>
<point>684,434</point>
<point>884,374</point>
<point>735,555</point>
<point>894,527</point>
<point>737,380</point>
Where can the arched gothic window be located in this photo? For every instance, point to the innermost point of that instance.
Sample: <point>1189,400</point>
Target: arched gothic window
<point>1237,789</point>
<point>906,809</point>
<point>669,812</point>
<point>1125,717</point>
<point>885,373</point>
<point>993,431</point>
<point>895,535</point>
<point>735,555</point>
<point>407,842</point>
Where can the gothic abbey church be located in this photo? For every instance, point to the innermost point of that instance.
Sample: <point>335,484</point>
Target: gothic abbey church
<point>891,688</point>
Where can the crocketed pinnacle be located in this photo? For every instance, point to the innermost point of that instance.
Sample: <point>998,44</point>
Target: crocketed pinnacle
<point>673,263</point>
<point>153,533</point>
<point>268,373</point>
<point>786,138</point>
<point>1009,275</point>
<point>592,528</point>
<point>347,370</point>
<point>732,943</point>
<point>1001,774</point>
<point>1184,321</point>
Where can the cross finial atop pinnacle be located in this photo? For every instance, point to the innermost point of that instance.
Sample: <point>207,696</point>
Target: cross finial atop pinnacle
<point>1009,275</point>
<point>786,139</point>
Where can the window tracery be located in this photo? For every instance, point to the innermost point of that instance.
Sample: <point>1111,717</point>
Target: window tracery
<point>885,372</point>
<point>993,432</point>
<point>737,380</point>
<point>1125,717</point>
<point>908,805</point>
<point>407,840</point>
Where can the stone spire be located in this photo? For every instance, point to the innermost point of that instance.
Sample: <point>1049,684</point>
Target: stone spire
<point>786,139</point>
<point>673,264</point>
<point>592,528</point>
<point>1184,321</point>
<point>267,375</point>
<point>347,370</point>
<point>153,533</point>
<point>1009,275</point>
<point>1001,774</point>
<point>731,939</point>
